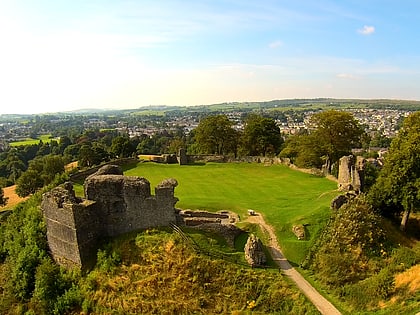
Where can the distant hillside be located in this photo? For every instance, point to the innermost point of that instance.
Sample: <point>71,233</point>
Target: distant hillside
<point>296,104</point>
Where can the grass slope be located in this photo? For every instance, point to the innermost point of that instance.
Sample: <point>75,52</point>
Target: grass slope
<point>284,196</point>
<point>156,272</point>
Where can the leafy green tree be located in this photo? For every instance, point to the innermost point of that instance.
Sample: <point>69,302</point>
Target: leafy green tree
<point>379,140</point>
<point>63,143</point>
<point>15,165</point>
<point>176,144</point>
<point>25,246</point>
<point>303,150</point>
<point>41,171</point>
<point>261,136</point>
<point>29,183</point>
<point>397,188</point>
<point>86,155</point>
<point>72,151</point>
<point>52,165</point>
<point>337,133</point>
<point>121,147</point>
<point>215,135</point>
<point>3,199</point>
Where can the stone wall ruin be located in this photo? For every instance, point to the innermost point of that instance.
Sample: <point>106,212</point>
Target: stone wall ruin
<point>114,204</point>
<point>351,173</point>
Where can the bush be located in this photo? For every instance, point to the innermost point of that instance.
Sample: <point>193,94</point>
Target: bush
<point>346,246</point>
<point>403,258</point>
<point>70,300</point>
<point>107,259</point>
<point>369,292</point>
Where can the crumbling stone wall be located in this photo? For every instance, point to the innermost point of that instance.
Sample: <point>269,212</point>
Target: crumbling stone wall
<point>351,173</point>
<point>114,204</point>
<point>254,252</point>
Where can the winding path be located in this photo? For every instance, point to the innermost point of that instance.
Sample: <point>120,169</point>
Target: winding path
<point>322,304</point>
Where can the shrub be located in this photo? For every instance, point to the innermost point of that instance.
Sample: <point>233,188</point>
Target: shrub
<point>403,258</point>
<point>350,240</point>
<point>369,292</point>
<point>107,259</point>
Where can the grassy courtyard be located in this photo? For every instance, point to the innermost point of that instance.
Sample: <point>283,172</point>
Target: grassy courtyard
<point>285,197</point>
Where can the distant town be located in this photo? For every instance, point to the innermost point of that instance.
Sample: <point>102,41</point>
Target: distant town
<point>291,118</point>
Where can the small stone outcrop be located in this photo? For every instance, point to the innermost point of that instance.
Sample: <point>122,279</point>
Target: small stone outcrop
<point>351,173</point>
<point>114,204</point>
<point>341,200</point>
<point>299,231</point>
<point>254,252</point>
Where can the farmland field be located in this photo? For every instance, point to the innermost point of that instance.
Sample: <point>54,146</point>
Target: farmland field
<point>285,197</point>
<point>30,141</point>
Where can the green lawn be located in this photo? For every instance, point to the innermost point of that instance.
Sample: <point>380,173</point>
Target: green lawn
<point>284,196</point>
<point>30,141</point>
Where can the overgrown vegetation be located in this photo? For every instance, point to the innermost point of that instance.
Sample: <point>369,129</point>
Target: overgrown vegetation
<point>140,273</point>
<point>157,270</point>
<point>359,257</point>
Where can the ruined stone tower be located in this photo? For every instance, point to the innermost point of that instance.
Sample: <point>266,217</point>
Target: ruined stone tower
<point>351,173</point>
<point>114,204</point>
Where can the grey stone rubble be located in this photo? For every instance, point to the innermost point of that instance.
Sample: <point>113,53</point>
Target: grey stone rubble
<point>254,252</point>
<point>299,231</point>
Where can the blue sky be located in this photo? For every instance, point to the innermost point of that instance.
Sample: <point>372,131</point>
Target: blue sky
<point>65,55</point>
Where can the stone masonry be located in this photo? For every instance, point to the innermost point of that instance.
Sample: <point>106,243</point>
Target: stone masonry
<point>351,173</point>
<point>114,204</point>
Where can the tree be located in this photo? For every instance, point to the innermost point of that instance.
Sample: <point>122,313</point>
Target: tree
<point>176,144</point>
<point>28,183</point>
<point>303,150</point>
<point>86,156</point>
<point>3,199</point>
<point>121,147</point>
<point>397,188</point>
<point>337,132</point>
<point>261,136</point>
<point>52,165</point>
<point>215,135</point>
<point>41,171</point>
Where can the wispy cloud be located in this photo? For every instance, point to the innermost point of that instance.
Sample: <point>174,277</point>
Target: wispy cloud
<point>366,30</point>
<point>347,76</point>
<point>275,44</point>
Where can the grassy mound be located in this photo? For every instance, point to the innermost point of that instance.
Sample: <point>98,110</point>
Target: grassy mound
<point>367,263</point>
<point>157,272</point>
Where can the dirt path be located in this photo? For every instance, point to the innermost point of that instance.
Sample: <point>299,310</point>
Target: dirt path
<point>322,304</point>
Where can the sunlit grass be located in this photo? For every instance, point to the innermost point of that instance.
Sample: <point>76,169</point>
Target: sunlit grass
<point>284,196</point>
<point>30,141</point>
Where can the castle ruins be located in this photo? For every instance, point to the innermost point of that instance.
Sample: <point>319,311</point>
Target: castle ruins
<point>351,173</point>
<point>114,204</point>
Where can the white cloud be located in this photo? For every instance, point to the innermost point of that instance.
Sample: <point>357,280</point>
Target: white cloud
<point>275,44</point>
<point>366,30</point>
<point>347,76</point>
